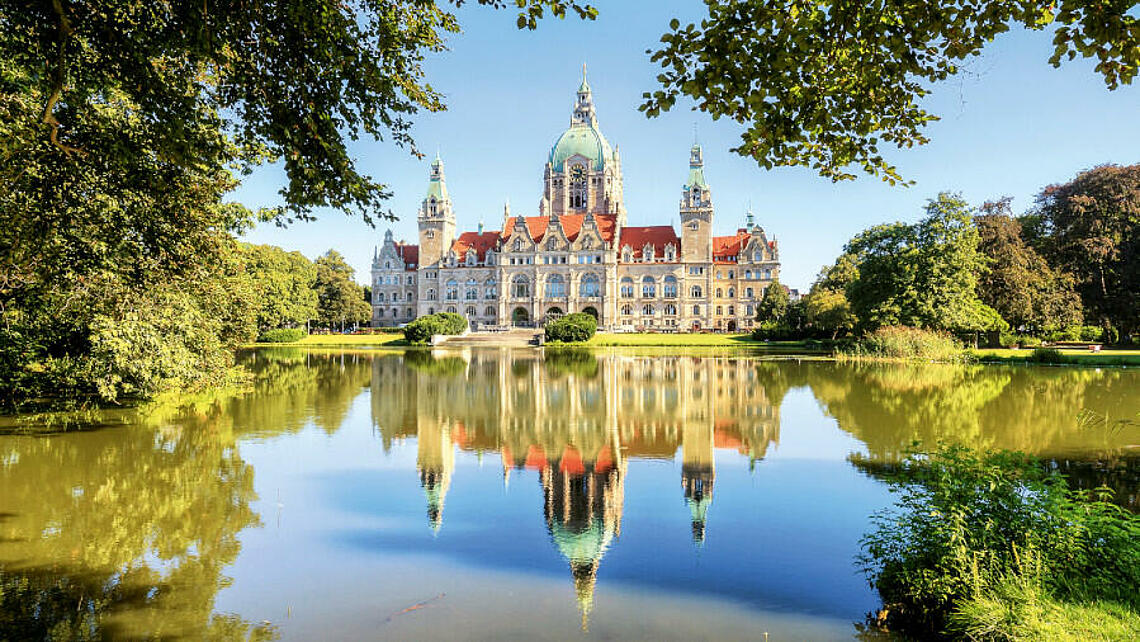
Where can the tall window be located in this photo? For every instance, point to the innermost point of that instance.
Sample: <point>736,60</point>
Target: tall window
<point>627,309</point>
<point>452,290</point>
<point>732,293</point>
<point>590,286</point>
<point>470,311</point>
<point>647,310</point>
<point>555,286</point>
<point>490,291</point>
<point>648,287</point>
<point>577,187</point>
<point>695,292</point>
<point>670,287</point>
<point>472,292</point>
<point>626,287</point>
<point>748,292</point>
<point>670,309</point>
<point>520,286</point>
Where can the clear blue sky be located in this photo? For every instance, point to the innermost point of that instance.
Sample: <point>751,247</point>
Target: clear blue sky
<point>1010,126</point>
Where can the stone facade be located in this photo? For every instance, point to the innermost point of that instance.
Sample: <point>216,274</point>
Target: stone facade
<point>578,254</point>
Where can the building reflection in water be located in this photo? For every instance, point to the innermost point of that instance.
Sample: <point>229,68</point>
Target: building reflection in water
<point>575,418</point>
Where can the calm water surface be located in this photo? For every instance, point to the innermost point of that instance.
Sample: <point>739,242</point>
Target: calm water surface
<point>510,494</point>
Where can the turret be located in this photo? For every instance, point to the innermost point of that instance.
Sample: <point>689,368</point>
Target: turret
<point>696,212</point>
<point>436,218</point>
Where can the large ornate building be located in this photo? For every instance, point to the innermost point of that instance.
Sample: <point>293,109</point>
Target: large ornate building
<point>578,254</point>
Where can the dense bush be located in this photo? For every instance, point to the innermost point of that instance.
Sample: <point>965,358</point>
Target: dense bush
<point>901,342</point>
<point>973,536</point>
<point>574,327</point>
<point>1046,355</point>
<point>1028,341</point>
<point>1088,333</point>
<point>420,331</point>
<point>282,335</point>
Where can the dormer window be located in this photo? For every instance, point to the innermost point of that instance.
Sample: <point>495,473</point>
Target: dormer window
<point>470,257</point>
<point>627,255</point>
<point>518,245</point>
<point>647,253</point>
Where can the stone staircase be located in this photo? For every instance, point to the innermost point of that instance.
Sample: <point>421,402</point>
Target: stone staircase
<point>520,337</point>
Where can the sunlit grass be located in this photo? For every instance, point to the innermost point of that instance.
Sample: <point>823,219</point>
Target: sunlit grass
<point>1073,357</point>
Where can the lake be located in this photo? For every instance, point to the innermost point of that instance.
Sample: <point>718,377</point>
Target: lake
<point>510,494</point>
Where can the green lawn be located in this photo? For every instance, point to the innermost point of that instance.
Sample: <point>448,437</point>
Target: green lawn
<point>1074,357</point>
<point>683,340</point>
<point>345,340</point>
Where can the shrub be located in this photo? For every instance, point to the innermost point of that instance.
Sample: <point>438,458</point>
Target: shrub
<point>1046,355</point>
<point>574,327</point>
<point>420,331</point>
<point>282,335</point>
<point>901,342</point>
<point>970,527</point>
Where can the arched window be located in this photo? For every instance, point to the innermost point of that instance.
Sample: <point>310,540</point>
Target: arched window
<point>518,245</point>
<point>748,292</point>
<point>748,274</point>
<point>431,310</point>
<point>410,313</point>
<point>379,297</point>
<point>719,310</point>
<point>490,311</point>
<point>732,293</point>
<point>670,309</point>
<point>379,313</point>
<point>695,292</point>
<point>757,256</point>
<point>626,255</point>
<point>472,290</point>
<point>555,286</point>
<point>410,279</point>
<point>627,309</point>
<point>470,311</point>
<point>589,286</point>
<point>696,309</point>
<point>670,287</point>
<point>731,274</point>
<point>520,286</point>
<point>626,287</point>
<point>395,312</point>
<point>648,287</point>
<point>451,309</point>
<point>731,310</point>
<point>767,274</point>
<point>670,252</point>
<point>452,290</point>
<point>647,310</point>
<point>719,293</point>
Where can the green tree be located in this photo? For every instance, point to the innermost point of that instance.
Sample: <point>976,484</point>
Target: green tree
<point>921,275</point>
<point>283,283</point>
<point>1019,284</point>
<point>339,299</point>
<point>1091,226</point>
<point>773,306</point>
<point>824,83</point>
<point>828,310</point>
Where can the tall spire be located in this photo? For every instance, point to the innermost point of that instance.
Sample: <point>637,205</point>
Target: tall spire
<point>584,107</point>
<point>696,167</point>
<point>749,219</point>
<point>437,184</point>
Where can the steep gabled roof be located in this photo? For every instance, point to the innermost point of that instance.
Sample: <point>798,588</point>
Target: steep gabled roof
<point>410,254</point>
<point>659,235</point>
<point>728,248</point>
<point>478,242</point>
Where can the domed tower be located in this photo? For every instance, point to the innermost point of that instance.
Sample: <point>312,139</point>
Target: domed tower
<point>583,173</point>
<point>436,218</point>
<point>696,212</point>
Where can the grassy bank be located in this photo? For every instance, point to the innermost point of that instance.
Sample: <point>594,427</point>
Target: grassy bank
<point>346,340</point>
<point>1066,357</point>
<point>684,340</point>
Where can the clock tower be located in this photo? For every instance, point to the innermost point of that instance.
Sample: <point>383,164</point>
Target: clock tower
<point>696,212</point>
<point>583,173</point>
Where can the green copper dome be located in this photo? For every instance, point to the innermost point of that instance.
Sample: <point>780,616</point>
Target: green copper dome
<point>584,140</point>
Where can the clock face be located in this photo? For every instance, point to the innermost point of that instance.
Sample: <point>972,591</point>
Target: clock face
<point>577,174</point>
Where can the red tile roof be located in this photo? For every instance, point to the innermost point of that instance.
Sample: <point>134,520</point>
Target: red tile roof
<point>727,248</point>
<point>479,242</point>
<point>410,254</point>
<point>658,235</point>
<point>571,225</point>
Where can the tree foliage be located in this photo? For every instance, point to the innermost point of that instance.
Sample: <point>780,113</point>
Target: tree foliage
<point>1019,284</point>
<point>291,80</point>
<point>921,275</point>
<point>339,299</point>
<point>773,305</point>
<point>575,327</point>
<point>825,83</point>
<point>1090,226</point>
<point>284,286</point>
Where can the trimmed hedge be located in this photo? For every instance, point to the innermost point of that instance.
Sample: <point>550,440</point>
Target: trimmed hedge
<point>572,328</point>
<point>282,335</point>
<point>420,331</point>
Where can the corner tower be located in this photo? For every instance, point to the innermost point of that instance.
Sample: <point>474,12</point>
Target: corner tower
<point>583,173</point>
<point>436,218</point>
<point>696,212</point>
